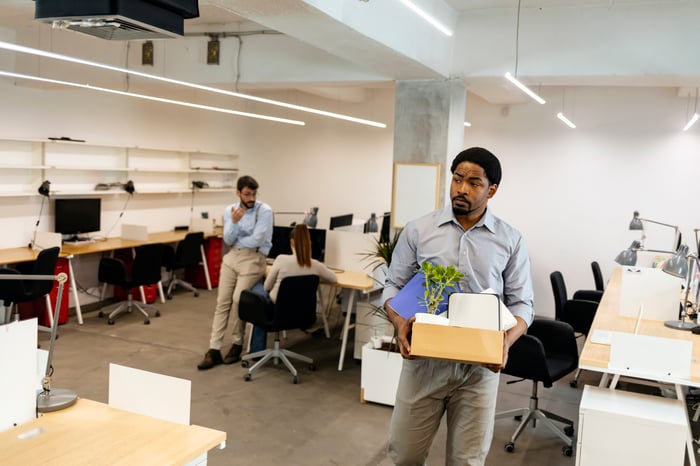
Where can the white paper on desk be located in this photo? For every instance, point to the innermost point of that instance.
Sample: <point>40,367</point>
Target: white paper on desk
<point>479,310</point>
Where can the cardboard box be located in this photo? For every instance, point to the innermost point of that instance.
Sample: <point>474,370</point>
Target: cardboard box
<point>457,343</point>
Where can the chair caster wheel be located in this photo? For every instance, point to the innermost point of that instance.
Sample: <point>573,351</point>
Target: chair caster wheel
<point>295,380</point>
<point>509,447</point>
<point>518,418</point>
<point>169,296</point>
<point>100,314</point>
<point>110,322</point>
<point>312,367</point>
<point>244,364</point>
<point>157,313</point>
<point>573,383</point>
<point>569,430</point>
<point>247,377</point>
<point>567,451</point>
<point>146,322</point>
<point>196,294</point>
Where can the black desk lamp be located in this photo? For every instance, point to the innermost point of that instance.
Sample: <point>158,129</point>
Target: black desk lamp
<point>44,190</point>
<point>130,189</point>
<point>197,185</point>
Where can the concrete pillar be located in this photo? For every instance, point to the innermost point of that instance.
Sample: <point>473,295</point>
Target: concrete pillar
<point>429,123</point>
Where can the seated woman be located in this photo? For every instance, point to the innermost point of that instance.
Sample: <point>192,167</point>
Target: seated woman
<point>289,265</point>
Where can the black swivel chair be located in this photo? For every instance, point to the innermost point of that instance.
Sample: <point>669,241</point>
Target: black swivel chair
<point>597,276</point>
<point>145,270</point>
<point>21,291</point>
<point>187,254</point>
<point>578,312</point>
<point>545,354</point>
<point>294,308</point>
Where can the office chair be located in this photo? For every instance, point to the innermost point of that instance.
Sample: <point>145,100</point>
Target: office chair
<point>294,308</point>
<point>188,253</point>
<point>145,270</point>
<point>597,276</point>
<point>545,354</point>
<point>578,312</point>
<point>15,292</point>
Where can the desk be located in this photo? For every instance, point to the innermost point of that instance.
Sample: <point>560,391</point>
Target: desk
<point>595,356</point>
<point>69,250</point>
<point>90,433</point>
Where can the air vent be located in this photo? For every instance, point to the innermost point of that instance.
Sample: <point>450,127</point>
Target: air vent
<point>119,19</point>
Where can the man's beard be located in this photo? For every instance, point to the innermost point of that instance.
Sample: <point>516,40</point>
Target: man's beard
<point>461,210</point>
<point>249,204</point>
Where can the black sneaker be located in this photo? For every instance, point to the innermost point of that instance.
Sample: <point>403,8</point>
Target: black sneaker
<point>211,359</point>
<point>234,354</point>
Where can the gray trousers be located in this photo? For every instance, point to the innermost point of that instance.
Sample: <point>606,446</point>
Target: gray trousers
<point>240,270</point>
<point>428,388</point>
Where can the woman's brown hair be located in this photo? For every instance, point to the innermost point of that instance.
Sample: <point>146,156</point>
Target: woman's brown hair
<point>302,244</point>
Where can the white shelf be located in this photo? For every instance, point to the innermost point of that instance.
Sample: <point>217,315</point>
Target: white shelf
<point>74,168</point>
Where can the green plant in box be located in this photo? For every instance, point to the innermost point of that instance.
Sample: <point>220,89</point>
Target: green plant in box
<point>439,282</point>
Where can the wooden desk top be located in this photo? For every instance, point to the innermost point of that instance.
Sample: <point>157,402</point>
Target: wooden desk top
<point>25,254</point>
<point>90,433</point>
<point>595,356</point>
<point>349,279</point>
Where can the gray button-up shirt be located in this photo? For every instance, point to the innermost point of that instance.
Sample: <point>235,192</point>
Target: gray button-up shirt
<point>491,254</point>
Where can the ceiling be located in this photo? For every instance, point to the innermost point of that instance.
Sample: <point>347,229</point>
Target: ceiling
<point>555,43</point>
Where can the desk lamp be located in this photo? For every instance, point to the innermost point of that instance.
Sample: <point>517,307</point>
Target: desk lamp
<point>637,223</point>
<point>197,185</point>
<point>130,189</point>
<point>681,265</point>
<point>629,255</point>
<point>44,190</point>
<point>49,399</point>
<point>311,218</point>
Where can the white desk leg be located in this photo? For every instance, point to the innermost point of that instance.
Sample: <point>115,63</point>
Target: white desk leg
<point>74,288</point>
<point>319,298</point>
<point>160,292</point>
<point>206,266</point>
<point>689,439</point>
<point>49,310</point>
<point>346,327</point>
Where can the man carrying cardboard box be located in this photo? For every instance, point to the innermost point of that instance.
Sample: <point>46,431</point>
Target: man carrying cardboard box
<point>491,254</point>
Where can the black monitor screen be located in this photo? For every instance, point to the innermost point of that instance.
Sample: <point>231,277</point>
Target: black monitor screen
<point>386,226</point>
<point>76,216</point>
<point>341,221</point>
<point>280,242</point>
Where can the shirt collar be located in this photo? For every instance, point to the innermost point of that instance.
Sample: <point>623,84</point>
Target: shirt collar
<point>488,220</point>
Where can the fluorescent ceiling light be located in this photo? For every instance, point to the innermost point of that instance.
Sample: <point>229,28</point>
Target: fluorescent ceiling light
<point>466,123</point>
<point>691,122</point>
<point>435,23</point>
<point>524,88</point>
<point>56,56</point>
<point>148,97</point>
<point>568,122</point>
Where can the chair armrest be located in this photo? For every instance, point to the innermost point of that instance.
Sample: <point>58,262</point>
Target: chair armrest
<point>526,359</point>
<point>589,295</point>
<point>580,314</point>
<point>253,308</point>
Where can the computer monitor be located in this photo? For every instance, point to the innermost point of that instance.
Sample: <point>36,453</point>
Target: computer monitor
<point>340,221</point>
<point>76,216</point>
<point>280,242</point>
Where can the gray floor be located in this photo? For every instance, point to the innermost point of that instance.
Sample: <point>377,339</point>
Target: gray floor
<point>269,420</point>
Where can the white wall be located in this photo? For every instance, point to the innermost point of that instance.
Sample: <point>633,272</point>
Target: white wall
<point>571,192</point>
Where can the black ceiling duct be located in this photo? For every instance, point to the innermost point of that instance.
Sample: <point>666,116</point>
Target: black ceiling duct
<point>119,19</point>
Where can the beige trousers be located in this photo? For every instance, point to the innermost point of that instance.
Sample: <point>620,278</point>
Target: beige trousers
<point>240,270</point>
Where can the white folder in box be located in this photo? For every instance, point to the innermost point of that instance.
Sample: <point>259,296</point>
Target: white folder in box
<point>483,310</point>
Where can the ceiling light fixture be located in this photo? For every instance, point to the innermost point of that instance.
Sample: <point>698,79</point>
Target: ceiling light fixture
<point>434,22</point>
<point>512,77</point>
<point>56,56</point>
<point>568,122</point>
<point>694,118</point>
<point>155,99</point>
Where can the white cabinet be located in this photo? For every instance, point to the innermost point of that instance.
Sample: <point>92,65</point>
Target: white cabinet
<point>380,373</point>
<point>618,427</point>
<point>79,168</point>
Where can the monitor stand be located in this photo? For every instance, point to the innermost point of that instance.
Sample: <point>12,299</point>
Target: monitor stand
<point>76,239</point>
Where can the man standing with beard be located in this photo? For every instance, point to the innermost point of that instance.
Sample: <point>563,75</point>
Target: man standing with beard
<point>248,230</point>
<point>491,254</point>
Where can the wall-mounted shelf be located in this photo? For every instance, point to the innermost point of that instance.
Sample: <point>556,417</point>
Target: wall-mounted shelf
<point>76,168</point>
